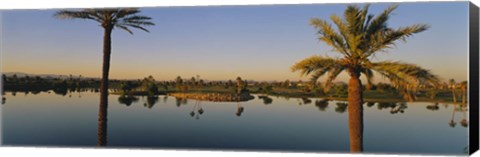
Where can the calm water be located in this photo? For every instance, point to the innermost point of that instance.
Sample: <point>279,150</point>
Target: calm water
<point>283,124</point>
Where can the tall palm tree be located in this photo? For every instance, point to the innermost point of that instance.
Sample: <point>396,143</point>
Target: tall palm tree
<point>358,37</point>
<point>108,19</point>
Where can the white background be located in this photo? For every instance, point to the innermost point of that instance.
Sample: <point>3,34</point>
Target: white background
<point>84,152</point>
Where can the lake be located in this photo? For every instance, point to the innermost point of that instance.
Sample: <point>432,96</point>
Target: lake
<point>273,123</point>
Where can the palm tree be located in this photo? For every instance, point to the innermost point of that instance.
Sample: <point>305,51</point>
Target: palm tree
<point>453,86</point>
<point>358,37</point>
<point>108,19</point>
<point>463,86</point>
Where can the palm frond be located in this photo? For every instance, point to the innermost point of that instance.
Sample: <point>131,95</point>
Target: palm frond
<point>121,13</point>
<point>124,18</point>
<point>369,76</point>
<point>406,77</point>
<point>84,14</point>
<point>137,18</point>
<point>355,18</point>
<point>332,75</point>
<point>342,28</point>
<point>329,35</point>
<point>380,21</point>
<point>124,28</point>
<point>138,27</point>
<point>317,74</point>
<point>317,66</point>
<point>365,18</point>
<point>385,40</point>
<point>313,63</point>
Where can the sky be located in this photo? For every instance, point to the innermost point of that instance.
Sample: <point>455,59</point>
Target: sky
<point>222,42</point>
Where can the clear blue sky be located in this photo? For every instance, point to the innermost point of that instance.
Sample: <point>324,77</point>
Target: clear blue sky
<point>222,42</point>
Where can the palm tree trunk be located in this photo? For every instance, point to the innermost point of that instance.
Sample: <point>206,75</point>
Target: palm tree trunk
<point>355,113</point>
<point>102,113</point>
<point>453,114</point>
<point>454,96</point>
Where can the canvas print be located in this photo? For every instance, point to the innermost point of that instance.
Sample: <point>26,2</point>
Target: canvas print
<point>348,78</point>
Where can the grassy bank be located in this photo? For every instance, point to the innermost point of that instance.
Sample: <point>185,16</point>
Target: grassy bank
<point>216,97</point>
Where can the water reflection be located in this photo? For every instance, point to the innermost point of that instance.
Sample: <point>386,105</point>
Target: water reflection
<point>127,100</point>
<point>452,122</point>
<point>399,108</point>
<point>464,121</point>
<point>433,107</point>
<point>165,98</point>
<point>323,111</point>
<point>60,91</point>
<point>341,107</point>
<point>462,108</point>
<point>322,104</point>
<point>180,101</point>
<point>151,101</point>
<point>370,104</point>
<point>385,105</point>
<point>197,110</point>
<point>240,109</point>
<point>266,100</point>
<point>395,107</point>
<point>4,99</point>
<point>304,101</point>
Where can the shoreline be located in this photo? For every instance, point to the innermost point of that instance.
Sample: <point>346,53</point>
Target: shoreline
<point>288,95</point>
<point>204,96</point>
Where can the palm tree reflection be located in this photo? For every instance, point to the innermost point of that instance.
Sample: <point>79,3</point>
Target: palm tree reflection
<point>4,99</point>
<point>198,108</point>
<point>165,99</point>
<point>180,101</point>
<point>239,110</point>
<point>452,122</point>
<point>464,121</point>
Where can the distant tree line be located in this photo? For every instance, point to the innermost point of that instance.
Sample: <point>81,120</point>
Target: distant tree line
<point>150,87</point>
